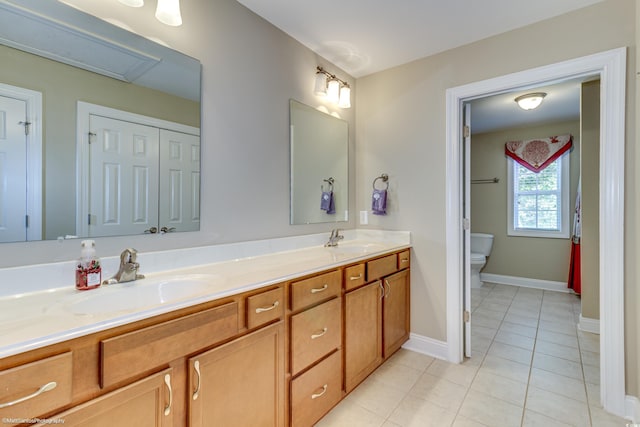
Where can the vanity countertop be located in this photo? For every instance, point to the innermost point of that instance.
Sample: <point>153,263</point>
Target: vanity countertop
<point>36,319</point>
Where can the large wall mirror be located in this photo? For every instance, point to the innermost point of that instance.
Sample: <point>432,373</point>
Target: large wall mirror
<point>74,88</point>
<point>319,166</point>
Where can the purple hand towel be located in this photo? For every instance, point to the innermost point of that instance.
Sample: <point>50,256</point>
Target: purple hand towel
<point>379,202</point>
<point>327,203</point>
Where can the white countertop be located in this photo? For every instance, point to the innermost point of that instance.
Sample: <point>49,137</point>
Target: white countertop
<point>34,315</point>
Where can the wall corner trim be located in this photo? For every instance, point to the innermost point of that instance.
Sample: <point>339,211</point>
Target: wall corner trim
<point>429,346</point>
<point>587,324</point>
<point>632,408</point>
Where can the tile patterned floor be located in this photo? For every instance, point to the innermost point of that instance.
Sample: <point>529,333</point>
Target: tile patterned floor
<point>530,367</point>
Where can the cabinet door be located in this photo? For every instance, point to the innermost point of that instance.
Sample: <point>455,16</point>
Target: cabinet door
<point>240,383</point>
<point>396,311</point>
<point>145,403</point>
<point>363,333</point>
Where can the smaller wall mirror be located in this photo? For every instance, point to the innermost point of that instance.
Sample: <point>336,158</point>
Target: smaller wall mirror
<point>319,166</point>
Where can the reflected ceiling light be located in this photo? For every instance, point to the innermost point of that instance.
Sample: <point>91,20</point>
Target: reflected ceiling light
<point>168,12</point>
<point>132,3</point>
<point>335,89</point>
<point>530,100</point>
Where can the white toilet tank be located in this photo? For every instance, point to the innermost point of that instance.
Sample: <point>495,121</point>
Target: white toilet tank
<point>481,243</point>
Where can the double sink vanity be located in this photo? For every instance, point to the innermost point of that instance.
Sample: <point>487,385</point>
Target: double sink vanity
<point>271,333</point>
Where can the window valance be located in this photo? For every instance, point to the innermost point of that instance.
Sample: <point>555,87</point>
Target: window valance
<point>537,154</point>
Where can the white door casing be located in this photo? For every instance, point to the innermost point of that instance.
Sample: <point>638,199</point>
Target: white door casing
<point>610,66</point>
<point>466,226</point>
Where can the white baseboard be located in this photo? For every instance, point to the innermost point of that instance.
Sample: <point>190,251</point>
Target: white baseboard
<point>587,324</point>
<point>632,408</point>
<point>428,346</point>
<point>547,285</point>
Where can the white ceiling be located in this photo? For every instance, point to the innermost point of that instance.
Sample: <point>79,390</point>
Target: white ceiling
<point>366,36</point>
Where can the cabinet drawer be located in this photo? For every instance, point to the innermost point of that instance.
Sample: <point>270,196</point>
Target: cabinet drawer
<point>315,392</point>
<point>354,276</point>
<point>315,333</point>
<point>404,259</point>
<point>140,351</point>
<point>265,307</point>
<point>315,289</point>
<point>33,389</point>
<point>382,267</point>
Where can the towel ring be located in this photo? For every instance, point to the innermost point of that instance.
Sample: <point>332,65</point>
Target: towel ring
<point>330,181</point>
<point>385,178</point>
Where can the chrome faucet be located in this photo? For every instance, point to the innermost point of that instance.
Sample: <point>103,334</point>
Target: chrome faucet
<point>128,270</point>
<point>333,239</point>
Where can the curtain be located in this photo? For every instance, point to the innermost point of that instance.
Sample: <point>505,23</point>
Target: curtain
<point>537,154</point>
<point>575,278</point>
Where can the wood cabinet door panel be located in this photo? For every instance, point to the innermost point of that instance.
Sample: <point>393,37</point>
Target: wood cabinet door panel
<point>240,383</point>
<point>396,311</point>
<point>363,333</point>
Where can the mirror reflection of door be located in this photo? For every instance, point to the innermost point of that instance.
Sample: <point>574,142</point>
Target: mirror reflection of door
<point>13,170</point>
<point>123,175</point>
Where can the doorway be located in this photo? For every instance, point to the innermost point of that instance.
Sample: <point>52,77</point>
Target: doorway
<point>611,67</point>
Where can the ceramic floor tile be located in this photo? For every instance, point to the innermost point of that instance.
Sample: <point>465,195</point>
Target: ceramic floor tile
<point>527,331</point>
<point>399,377</point>
<point>485,409</point>
<point>497,315</point>
<point>558,407</point>
<point>552,316</point>
<point>515,340</point>
<point>602,418</point>
<point>593,395</point>
<point>482,331</point>
<point>589,341</point>
<point>533,419</point>
<point>591,374</point>
<point>557,338</point>
<point>376,397</point>
<point>480,344</point>
<point>415,412</point>
<point>440,391</point>
<point>482,319</point>
<point>461,421</point>
<point>565,386</point>
<point>411,359</point>
<point>519,320</point>
<point>500,387</point>
<point>494,306</point>
<point>557,365</point>
<point>510,352</point>
<point>558,350</point>
<point>559,327</point>
<point>532,313</point>
<point>349,414</point>
<point>506,368</point>
<point>460,374</point>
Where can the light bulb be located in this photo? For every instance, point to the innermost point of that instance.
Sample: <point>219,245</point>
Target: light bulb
<point>168,12</point>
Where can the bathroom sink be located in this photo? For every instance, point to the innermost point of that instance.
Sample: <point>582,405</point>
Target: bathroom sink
<point>356,248</point>
<point>141,294</point>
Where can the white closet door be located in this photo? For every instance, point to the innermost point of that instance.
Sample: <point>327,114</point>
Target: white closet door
<point>123,172</point>
<point>179,181</point>
<point>13,170</point>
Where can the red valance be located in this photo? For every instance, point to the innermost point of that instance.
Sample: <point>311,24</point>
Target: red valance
<point>537,154</point>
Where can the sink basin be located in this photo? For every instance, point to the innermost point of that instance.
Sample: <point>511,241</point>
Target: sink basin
<point>141,294</point>
<point>356,248</point>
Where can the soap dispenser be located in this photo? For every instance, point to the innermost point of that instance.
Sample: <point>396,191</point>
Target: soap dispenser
<point>88,269</point>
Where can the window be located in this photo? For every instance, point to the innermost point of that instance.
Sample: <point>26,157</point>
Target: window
<point>538,203</point>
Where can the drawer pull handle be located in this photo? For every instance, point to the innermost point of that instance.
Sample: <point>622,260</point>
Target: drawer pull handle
<point>317,395</point>
<point>167,381</point>
<point>323,288</point>
<point>47,387</point>
<point>319,334</point>
<point>382,291</point>
<point>386,282</point>
<point>271,307</point>
<point>358,277</point>
<point>196,366</point>
<point>403,260</point>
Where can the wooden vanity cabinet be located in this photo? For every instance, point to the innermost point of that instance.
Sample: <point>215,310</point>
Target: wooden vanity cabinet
<point>376,321</point>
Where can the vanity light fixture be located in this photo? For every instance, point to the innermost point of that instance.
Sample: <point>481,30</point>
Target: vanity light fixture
<point>335,89</point>
<point>530,100</point>
<point>167,11</point>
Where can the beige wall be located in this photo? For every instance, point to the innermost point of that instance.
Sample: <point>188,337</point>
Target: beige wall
<point>401,131</point>
<point>515,255</point>
<point>590,201</point>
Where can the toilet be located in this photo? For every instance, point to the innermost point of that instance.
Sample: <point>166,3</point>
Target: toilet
<point>481,245</point>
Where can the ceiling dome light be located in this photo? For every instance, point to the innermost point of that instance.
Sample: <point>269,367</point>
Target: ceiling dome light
<point>168,12</point>
<point>530,100</point>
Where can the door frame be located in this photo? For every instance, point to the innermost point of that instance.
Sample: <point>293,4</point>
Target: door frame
<point>611,67</point>
<point>33,100</point>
